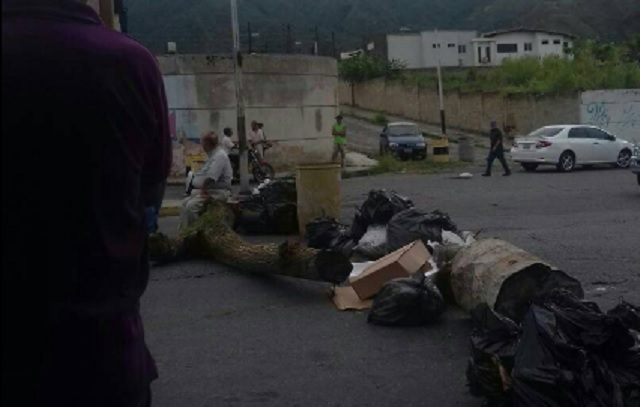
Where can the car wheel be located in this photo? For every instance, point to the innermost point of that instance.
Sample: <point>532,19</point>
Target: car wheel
<point>567,162</point>
<point>624,159</point>
<point>529,167</point>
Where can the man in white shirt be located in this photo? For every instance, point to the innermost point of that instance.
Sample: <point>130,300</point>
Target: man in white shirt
<point>227,143</point>
<point>213,181</point>
<point>256,137</point>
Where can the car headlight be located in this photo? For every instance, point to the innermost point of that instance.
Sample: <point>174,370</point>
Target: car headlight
<point>421,145</point>
<point>393,145</point>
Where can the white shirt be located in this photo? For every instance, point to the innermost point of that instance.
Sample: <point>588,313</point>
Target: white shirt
<point>217,168</point>
<point>227,144</point>
<point>256,136</point>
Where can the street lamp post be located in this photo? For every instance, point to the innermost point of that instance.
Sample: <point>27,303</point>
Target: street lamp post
<point>440,91</point>
<point>242,133</point>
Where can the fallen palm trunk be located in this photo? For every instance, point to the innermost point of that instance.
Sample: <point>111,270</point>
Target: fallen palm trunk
<point>212,238</point>
<point>505,277</point>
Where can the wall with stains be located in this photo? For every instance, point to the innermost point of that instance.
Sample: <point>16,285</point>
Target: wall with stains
<point>617,111</point>
<point>472,111</point>
<point>294,96</point>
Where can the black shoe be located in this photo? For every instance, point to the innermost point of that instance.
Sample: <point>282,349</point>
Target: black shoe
<point>486,175</point>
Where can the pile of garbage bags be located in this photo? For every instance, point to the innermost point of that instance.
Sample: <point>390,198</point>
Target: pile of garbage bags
<point>385,222</point>
<point>566,352</point>
<point>272,209</point>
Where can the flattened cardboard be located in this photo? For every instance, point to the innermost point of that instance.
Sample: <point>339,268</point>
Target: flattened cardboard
<point>402,263</point>
<point>345,299</point>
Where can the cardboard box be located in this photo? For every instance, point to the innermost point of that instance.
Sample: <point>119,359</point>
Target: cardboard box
<point>402,263</point>
<point>345,299</point>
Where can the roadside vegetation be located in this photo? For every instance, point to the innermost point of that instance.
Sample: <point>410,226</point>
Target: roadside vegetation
<point>592,66</point>
<point>389,164</point>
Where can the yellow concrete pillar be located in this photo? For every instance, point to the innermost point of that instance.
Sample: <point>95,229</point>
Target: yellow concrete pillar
<point>318,188</point>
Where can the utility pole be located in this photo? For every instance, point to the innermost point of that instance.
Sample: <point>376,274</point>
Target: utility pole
<point>242,133</point>
<point>333,44</point>
<point>250,37</point>
<point>440,91</point>
<point>315,48</point>
<point>288,38</point>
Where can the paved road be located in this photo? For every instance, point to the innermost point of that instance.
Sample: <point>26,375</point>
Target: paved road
<point>223,338</point>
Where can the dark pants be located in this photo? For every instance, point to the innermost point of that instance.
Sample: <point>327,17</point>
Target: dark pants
<point>499,154</point>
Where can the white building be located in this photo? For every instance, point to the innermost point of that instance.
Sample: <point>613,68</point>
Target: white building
<point>493,48</point>
<point>422,49</point>
<point>464,48</point>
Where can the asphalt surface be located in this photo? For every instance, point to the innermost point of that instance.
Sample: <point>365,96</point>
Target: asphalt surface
<point>224,338</point>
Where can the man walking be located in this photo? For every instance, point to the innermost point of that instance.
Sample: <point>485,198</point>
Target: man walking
<point>88,103</point>
<point>497,151</point>
<point>339,132</point>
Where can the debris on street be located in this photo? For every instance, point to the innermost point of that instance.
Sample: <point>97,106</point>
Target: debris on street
<point>272,209</point>
<point>378,209</point>
<point>410,301</point>
<point>566,352</point>
<point>507,278</point>
<point>401,263</point>
<point>373,245</point>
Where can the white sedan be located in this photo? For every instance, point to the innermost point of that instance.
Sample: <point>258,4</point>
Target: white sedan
<point>566,146</point>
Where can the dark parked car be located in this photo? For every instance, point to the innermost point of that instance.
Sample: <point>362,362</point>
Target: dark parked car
<point>404,140</point>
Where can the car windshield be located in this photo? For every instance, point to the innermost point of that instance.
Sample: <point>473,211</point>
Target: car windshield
<point>546,132</point>
<point>404,130</point>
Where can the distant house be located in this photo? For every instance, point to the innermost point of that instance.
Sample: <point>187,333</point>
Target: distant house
<point>423,49</point>
<point>494,47</point>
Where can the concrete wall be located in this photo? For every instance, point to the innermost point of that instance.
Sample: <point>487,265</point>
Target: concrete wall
<point>294,96</point>
<point>617,111</point>
<point>467,111</point>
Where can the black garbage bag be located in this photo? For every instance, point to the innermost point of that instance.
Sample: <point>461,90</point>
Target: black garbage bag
<point>572,354</point>
<point>281,190</point>
<point>283,217</point>
<point>328,234</point>
<point>252,217</point>
<point>413,224</point>
<point>373,245</point>
<point>628,314</point>
<point>493,347</point>
<point>407,302</point>
<point>378,209</point>
<point>321,232</point>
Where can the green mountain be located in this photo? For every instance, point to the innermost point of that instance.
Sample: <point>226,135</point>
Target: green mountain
<point>204,26</point>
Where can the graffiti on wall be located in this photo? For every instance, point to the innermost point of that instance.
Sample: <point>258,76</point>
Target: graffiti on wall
<point>617,111</point>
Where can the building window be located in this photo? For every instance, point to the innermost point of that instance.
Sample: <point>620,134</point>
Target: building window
<point>566,45</point>
<point>436,45</point>
<point>557,42</point>
<point>507,48</point>
<point>462,49</point>
<point>528,46</point>
<point>545,42</point>
<point>451,45</point>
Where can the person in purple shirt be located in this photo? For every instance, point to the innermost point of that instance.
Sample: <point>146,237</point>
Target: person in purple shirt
<point>85,148</point>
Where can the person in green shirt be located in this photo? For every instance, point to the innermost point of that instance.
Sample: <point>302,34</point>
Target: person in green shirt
<point>339,132</point>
